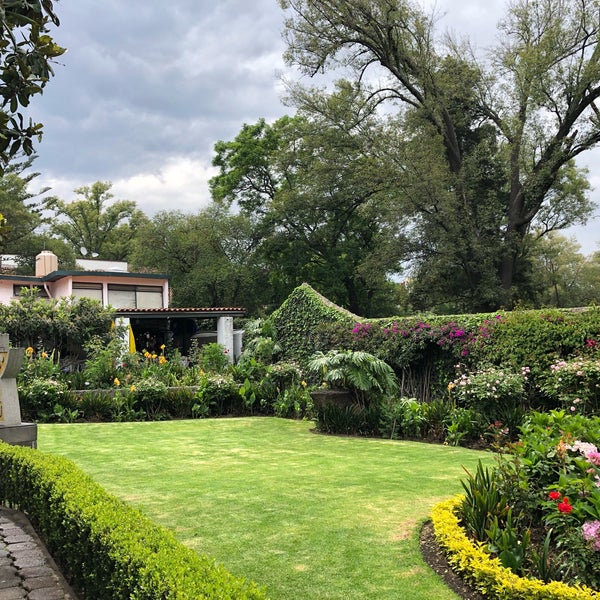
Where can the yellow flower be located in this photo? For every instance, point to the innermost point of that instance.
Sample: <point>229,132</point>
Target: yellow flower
<point>29,351</point>
<point>132,388</point>
<point>162,347</point>
<point>162,360</point>
<point>451,386</point>
<point>303,383</point>
<point>117,382</point>
<point>44,355</point>
<point>153,356</point>
<point>147,354</point>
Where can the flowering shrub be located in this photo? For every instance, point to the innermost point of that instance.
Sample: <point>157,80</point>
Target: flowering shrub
<point>496,394</point>
<point>549,485</point>
<point>574,384</point>
<point>485,571</point>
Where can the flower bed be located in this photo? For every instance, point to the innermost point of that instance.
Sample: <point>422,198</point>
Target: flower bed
<point>485,572</point>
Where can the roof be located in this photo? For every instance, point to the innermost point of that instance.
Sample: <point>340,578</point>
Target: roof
<point>181,312</point>
<point>56,275</point>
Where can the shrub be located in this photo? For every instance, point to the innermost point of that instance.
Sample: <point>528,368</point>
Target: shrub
<point>39,397</point>
<point>493,393</point>
<point>366,376</point>
<point>107,549</point>
<point>350,419</point>
<point>543,495</point>
<point>486,572</point>
<point>574,384</point>
<point>220,393</point>
<point>294,403</point>
<point>149,394</point>
<point>405,417</point>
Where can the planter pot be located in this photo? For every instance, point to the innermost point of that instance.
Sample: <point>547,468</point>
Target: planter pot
<point>335,397</point>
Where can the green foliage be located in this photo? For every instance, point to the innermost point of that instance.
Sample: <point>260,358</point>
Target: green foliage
<point>322,202</point>
<point>93,224</point>
<point>483,503</point>
<point>213,358</point>
<point>106,548</point>
<point>210,257</point>
<point>149,395</point>
<point>549,479</point>
<point>296,321</point>
<point>27,51</point>
<point>462,426</point>
<point>220,393</point>
<point>574,384</point>
<point>496,395</point>
<point>294,402</point>
<point>506,542</point>
<point>38,398</point>
<point>65,325</point>
<point>404,418</point>
<point>349,419</point>
<point>366,376</point>
<point>447,143</point>
<point>101,366</point>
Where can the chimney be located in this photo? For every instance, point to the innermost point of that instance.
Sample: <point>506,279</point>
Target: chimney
<point>45,263</point>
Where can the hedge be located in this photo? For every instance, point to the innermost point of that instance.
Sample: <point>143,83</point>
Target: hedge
<point>485,572</point>
<point>106,549</point>
<point>425,350</point>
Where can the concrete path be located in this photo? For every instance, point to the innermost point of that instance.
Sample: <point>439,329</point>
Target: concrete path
<point>27,571</point>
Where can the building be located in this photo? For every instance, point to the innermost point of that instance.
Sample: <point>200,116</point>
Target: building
<point>141,300</point>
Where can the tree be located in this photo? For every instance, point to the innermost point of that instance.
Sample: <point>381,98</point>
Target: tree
<point>321,201</point>
<point>527,114</point>
<point>23,235</point>
<point>26,53</point>
<point>92,226</point>
<point>19,206</point>
<point>210,257</point>
<point>566,278</point>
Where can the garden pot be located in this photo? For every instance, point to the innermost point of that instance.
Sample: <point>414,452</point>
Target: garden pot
<point>332,396</point>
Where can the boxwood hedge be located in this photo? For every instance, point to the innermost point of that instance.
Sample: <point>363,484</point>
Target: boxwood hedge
<point>106,549</point>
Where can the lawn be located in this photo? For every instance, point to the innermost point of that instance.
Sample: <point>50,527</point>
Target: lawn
<point>305,515</point>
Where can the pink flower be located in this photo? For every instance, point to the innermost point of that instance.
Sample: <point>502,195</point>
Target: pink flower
<point>591,533</point>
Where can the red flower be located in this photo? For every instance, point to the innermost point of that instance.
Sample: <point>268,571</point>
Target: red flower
<point>565,506</point>
<point>554,495</point>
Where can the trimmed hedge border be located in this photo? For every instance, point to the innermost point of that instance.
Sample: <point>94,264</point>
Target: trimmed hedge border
<point>106,549</point>
<point>485,572</point>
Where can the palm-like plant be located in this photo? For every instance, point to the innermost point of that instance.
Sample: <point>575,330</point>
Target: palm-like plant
<point>365,375</point>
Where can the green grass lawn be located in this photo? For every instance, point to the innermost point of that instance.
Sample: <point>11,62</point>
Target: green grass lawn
<point>305,515</point>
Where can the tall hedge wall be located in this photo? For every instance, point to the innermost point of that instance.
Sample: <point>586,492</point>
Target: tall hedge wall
<point>426,351</point>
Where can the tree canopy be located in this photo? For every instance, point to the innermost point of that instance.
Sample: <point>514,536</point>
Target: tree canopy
<point>93,225</point>
<point>321,202</point>
<point>499,136</point>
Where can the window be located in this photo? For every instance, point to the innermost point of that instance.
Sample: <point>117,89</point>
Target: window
<point>42,293</point>
<point>82,289</point>
<point>149,296</point>
<point>135,296</point>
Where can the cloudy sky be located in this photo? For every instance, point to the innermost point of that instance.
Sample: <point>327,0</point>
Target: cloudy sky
<point>147,88</point>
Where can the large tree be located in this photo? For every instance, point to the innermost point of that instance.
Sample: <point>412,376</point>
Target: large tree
<point>321,201</point>
<point>26,53</point>
<point>502,133</point>
<point>93,224</point>
<point>210,257</point>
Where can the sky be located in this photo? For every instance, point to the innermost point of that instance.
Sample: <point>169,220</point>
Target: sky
<point>146,89</point>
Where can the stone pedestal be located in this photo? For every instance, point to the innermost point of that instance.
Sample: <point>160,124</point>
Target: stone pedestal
<point>12,430</point>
